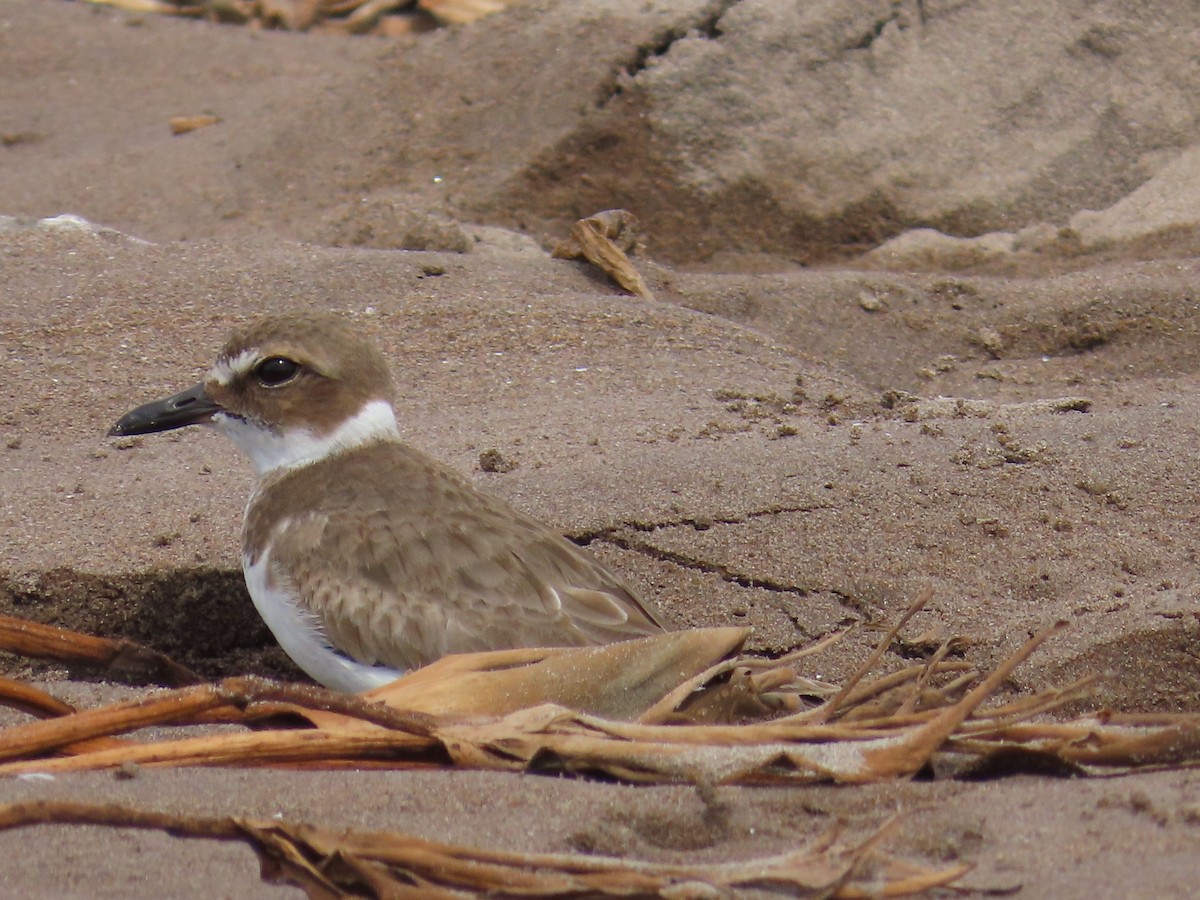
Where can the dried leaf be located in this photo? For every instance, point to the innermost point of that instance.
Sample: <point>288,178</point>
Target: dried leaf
<point>184,124</point>
<point>618,681</point>
<point>460,12</point>
<point>292,15</point>
<point>139,6</point>
<point>604,240</point>
<point>367,15</point>
<point>1102,742</point>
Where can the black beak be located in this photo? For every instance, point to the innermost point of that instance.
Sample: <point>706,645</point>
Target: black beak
<point>189,407</point>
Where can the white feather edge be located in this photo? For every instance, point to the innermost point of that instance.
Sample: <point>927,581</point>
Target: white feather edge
<point>300,636</point>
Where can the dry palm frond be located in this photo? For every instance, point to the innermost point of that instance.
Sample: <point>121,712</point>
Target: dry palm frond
<point>347,16</point>
<point>598,711</point>
<point>676,708</point>
<point>348,863</point>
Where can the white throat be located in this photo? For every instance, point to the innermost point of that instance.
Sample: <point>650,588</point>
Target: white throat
<point>279,451</point>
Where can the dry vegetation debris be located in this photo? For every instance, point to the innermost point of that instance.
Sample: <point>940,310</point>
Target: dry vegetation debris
<point>685,707</point>
<point>389,17</point>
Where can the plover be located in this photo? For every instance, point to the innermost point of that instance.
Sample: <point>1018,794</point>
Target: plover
<point>365,556</point>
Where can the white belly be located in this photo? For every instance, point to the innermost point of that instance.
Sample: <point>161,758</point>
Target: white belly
<point>300,636</point>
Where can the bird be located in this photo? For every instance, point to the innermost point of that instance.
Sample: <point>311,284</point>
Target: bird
<point>366,557</point>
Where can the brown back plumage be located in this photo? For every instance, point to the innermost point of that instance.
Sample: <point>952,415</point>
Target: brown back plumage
<point>402,561</point>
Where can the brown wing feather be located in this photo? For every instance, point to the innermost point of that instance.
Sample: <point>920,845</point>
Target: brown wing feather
<point>403,569</point>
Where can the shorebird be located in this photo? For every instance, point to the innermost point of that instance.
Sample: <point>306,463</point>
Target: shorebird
<point>364,556</point>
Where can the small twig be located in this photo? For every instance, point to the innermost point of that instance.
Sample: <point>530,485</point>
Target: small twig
<point>246,690</point>
<point>33,639</point>
<point>920,744</point>
<point>51,812</point>
<point>25,697</point>
<point>878,687</point>
<point>825,712</point>
<point>249,750</point>
<point>762,662</point>
<point>171,707</point>
<point>1037,705</point>
<point>914,696</point>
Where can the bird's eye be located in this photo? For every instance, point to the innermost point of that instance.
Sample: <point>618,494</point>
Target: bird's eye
<point>276,370</point>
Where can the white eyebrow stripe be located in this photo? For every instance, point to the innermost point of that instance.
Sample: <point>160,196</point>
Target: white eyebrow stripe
<point>226,370</point>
